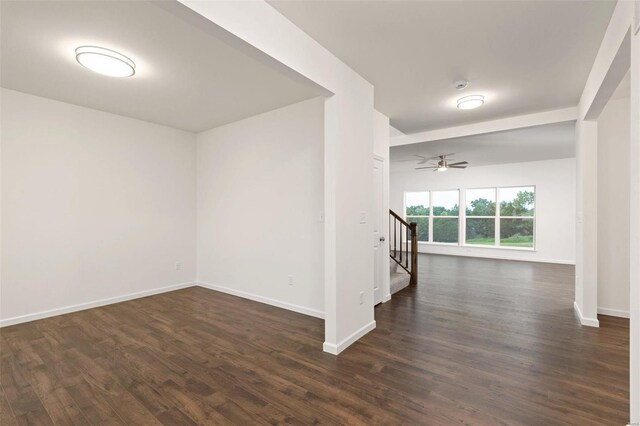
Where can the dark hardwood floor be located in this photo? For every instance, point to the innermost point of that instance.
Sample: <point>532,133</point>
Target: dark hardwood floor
<point>479,342</point>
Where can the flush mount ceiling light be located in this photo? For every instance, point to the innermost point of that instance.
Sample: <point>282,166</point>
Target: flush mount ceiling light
<point>470,102</point>
<point>105,61</point>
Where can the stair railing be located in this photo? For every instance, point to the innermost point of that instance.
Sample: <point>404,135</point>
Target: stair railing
<point>407,256</point>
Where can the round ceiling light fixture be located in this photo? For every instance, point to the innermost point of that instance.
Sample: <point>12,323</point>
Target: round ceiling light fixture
<point>470,102</point>
<point>105,61</point>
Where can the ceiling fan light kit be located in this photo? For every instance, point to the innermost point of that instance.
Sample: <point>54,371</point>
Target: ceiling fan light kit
<point>443,164</point>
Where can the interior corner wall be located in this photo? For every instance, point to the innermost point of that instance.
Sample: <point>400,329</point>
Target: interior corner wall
<point>97,208</point>
<point>348,146</point>
<point>260,202</point>
<point>613,208</point>
<point>610,64</point>
<point>555,204</point>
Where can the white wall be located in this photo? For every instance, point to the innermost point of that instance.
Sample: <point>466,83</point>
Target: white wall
<point>611,64</point>
<point>348,146</point>
<point>634,226</point>
<point>95,206</point>
<point>613,209</point>
<point>555,204</point>
<point>619,53</point>
<point>260,198</point>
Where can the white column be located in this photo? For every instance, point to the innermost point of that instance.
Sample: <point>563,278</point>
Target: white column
<point>586,294</point>
<point>634,253</point>
<point>348,228</point>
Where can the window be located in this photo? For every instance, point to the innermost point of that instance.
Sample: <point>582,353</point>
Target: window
<point>444,214</point>
<point>510,225</point>
<point>417,210</point>
<point>492,217</point>
<point>436,213</point>
<point>516,216</point>
<point>481,216</point>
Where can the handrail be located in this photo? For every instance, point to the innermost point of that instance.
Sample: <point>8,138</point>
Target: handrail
<point>409,229</point>
<point>400,219</point>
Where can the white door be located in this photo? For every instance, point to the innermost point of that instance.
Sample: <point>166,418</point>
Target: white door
<point>378,233</point>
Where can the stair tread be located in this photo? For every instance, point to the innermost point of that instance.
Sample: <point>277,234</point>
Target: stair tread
<point>395,267</point>
<point>399,280</point>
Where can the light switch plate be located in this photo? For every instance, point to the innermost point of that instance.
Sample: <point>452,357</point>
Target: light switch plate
<point>363,217</point>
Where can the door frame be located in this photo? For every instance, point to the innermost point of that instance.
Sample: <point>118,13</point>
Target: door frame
<point>386,278</point>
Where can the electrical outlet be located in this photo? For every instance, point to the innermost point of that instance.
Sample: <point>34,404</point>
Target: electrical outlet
<point>290,279</point>
<point>361,297</point>
<point>178,266</point>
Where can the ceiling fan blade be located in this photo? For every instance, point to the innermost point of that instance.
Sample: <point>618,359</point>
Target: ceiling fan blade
<point>459,163</point>
<point>456,167</point>
<point>428,167</point>
<point>440,157</point>
<point>422,158</point>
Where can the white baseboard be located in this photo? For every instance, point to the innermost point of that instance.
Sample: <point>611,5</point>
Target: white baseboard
<point>613,312</point>
<point>335,349</point>
<point>591,322</point>
<point>108,301</point>
<point>257,298</point>
<point>93,304</point>
<point>386,298</point>
<point>500,256</point>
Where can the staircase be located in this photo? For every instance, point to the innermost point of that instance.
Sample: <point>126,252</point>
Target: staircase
<point>399,278</point>
<point>403,252</point>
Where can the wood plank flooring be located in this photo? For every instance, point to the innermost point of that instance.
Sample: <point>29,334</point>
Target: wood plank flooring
<point>478,342</point>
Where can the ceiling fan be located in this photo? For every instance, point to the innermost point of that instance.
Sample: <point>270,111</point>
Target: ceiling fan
<point>423,159</point>
<point>441,164</point>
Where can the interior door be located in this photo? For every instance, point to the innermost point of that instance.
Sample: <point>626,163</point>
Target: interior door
<point>378,234</point>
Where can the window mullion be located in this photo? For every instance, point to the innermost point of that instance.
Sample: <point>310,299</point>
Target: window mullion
<point>462,214</point>
<point>497,225</point>
<point>430,216</point>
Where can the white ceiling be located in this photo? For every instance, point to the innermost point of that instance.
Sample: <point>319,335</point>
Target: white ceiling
<point>547,142</point>
<point>624,88</point>
<point>185,78</point>
<point>524,56</point>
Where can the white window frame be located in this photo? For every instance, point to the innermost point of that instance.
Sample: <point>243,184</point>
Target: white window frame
<point>496,231</point>
<point>406,218</point>
<point>462,218</point>
<point>431,217</point>
<point>533,218</point>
